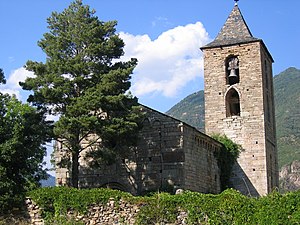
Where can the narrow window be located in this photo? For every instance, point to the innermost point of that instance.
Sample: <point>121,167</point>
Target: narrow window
<point>232,70</point>
<point>232,103</point>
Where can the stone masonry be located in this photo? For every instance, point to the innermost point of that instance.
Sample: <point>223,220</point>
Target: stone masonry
<point>170,155</point>
<point>113,212</point>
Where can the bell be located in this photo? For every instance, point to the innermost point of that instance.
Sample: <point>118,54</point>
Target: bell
<point>232,74</point>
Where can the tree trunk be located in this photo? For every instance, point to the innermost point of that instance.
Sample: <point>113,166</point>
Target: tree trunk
<point>75,169</point>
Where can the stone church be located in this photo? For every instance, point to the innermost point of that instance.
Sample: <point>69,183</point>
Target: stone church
<point>173,155</point>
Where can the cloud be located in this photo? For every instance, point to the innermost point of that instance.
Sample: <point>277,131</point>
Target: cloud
<point>165,65</point>
<point>161,20</point>
<point>168,63</point>
<point>12,84</point>
<point>11,59</point>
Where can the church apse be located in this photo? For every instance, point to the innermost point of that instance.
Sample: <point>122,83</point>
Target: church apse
<point>170,155</point>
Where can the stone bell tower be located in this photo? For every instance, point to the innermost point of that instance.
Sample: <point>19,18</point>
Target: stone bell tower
<point>239,102</point>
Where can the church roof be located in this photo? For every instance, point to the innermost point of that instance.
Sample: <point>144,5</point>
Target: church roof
<point>234,31</point>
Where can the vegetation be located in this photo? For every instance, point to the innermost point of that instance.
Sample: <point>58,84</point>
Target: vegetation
<point>229,207</point>
<point>287,99</point>
<point>226,158</point>
<point>55,201</point>
<point>23,132</point>
<point>83,82</point>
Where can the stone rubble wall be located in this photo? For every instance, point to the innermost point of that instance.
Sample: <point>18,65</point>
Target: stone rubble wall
<point>113,212</point>
<point>34,212</point>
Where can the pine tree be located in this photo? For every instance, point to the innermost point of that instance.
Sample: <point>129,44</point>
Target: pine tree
<point>84,83</point>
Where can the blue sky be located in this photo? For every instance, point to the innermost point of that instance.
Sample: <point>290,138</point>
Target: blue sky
<point>164,35</point>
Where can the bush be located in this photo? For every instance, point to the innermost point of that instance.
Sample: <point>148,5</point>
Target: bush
<point>158,209</point>
<point>276,208</point>
<point>229,207</point>
<point>56,201</point>
<point>226,158</point>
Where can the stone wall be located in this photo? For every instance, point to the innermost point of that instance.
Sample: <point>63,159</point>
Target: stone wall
<point>270,124</point>
<point>170,155</point>
<point>113,212</point>
<point>34,212</point>
<point>201,164</point>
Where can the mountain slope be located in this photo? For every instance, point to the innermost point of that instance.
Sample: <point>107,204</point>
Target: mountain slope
<point>287,111</point>
<point>287,108</point>
<point>190,110</point>
<point>50,182</point>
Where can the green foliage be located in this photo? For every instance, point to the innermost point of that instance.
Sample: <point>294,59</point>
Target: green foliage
<point>229,207</point>
<point>160,208</point>
<point>2,78</point>
<point>55,201</point>
<point>226,158</point>
<point>232,208</point>
<point>278,209</point>
<point>287,100</point>
<point>83,82</point>
<point>23,132</point>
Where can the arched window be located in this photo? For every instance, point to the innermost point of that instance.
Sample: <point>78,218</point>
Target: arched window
<point>232,103</point>
<point>146,123</point>
<point>232,70</point>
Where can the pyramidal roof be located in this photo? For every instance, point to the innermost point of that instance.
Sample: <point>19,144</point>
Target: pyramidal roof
<point>234,31</point>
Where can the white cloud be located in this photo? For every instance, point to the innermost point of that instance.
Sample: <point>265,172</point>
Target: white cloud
<point>11,59</point>
<point>160,20</point>
<point>12,84</point>
<point>167,64</point>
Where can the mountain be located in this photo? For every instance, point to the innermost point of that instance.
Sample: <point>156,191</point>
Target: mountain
<point>287,102</point>
<point>190,110</point>
<point>287,112</point>
<point>50,182</point>
<point>290,176</point>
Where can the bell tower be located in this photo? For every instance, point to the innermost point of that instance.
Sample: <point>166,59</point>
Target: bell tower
<point>239,102</point>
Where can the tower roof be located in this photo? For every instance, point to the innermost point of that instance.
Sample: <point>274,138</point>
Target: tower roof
<point>234,31</point>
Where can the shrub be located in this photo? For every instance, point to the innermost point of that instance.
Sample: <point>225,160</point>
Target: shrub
<point>56,201</point>
<point>229,207</point>
<point>226,158</point>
